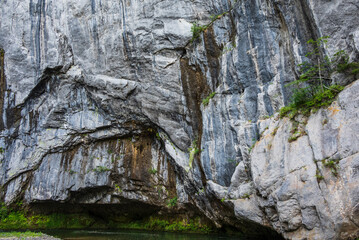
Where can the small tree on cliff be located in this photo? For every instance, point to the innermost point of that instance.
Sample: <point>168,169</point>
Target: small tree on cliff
<point>314,88</point>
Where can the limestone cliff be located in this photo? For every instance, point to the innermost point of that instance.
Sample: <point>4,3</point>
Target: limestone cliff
<point>101,101</point>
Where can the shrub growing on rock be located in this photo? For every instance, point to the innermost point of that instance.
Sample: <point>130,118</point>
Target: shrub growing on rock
<point>314,88</point>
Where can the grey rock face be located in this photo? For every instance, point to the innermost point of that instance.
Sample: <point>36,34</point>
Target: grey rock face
<point>293,178</point>
<point>100,101</point>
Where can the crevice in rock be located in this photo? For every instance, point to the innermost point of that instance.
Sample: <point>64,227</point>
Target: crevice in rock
<point>195,89</point>
<point>318,182</point>
<point>38,33</point>
<point>213,53</point>
<point>287,46</point>
<point>2,87</point>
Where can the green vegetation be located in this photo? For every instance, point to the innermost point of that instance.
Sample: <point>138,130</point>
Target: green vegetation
<point>169,225</point>
<point>177,226</point>
<point>344,66</point>
<point>232,161</point>
<point>228,49</point>
<point>205,101</point>
<point>14,220</point>
<point>101,169</point>
<point>253,144</point>
<point>193,151</point>
<point>59,220</point>
<point>314,88</point>
<point>20,234</point>
<point>266,117</point>
<point>246,196</point>
<point>118,188</point>
<point>332,164</point>
<point>172,202</point>
<point>325,121</point>
<point>303,103</point>
<point>319,176</point>
<point>152,171</point>
<point>294,137</point>
<point>198,29</point>
<point>158,136</point>
<point>17,218</point>
<point>275,131</point>
<point>296,133</point>
<point>150,130</point>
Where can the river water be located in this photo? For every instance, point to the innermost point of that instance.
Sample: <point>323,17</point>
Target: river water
<point>133,235</point>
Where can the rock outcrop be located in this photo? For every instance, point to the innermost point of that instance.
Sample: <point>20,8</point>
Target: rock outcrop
<point>101,104</point>
<point>309,187</point>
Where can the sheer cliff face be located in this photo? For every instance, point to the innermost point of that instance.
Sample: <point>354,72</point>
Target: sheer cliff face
<point>100,101</point>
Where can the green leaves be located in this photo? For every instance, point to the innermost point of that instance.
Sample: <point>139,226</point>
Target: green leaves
<point>152,171</point>
<point>101,169</point>
<point>303,101</point>
<point>332,164</point>
<point>197,29</point>
<point>172,202</point>
<point>317,45</point>
<point>313,87</point>
<point>205,101</point>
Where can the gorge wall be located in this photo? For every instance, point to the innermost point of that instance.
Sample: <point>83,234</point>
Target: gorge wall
<point>101,101</point>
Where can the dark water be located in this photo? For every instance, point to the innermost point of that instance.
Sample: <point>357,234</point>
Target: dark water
<point>133,235</point>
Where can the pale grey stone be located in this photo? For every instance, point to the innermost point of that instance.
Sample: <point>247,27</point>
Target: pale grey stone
<point>84,73</point>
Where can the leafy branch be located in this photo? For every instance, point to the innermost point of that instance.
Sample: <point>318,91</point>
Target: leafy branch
<point>314,88</point>
<point>205,101</point>
<point>197,29</point>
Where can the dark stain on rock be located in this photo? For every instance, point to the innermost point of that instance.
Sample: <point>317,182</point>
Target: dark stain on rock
<point>47,83</point>
<point>213,53</point>
<point>285,35</point>
<point>195,89</point>
<point>13,117</point>
<point>85,194</point>
<point>233,33</point>
<point>308,21</point>
<point>67,157</point>
<point>138,175</point>
<point>2,86</point>
<point>138,158</point>
<point>171,178</point>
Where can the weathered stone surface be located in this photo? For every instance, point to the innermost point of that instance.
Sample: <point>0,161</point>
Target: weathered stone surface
<point>290,173</point>
<point>101,100</point>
